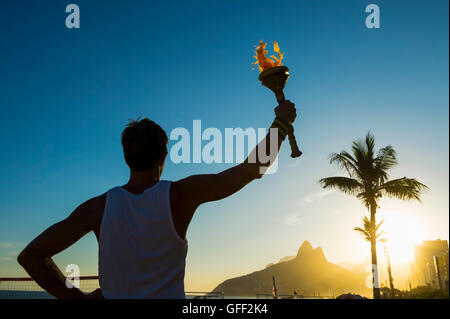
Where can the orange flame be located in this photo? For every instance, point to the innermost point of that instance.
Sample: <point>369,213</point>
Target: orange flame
<point>263,61</point>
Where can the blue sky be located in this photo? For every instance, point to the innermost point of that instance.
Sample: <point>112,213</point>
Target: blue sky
<point>66,95</point>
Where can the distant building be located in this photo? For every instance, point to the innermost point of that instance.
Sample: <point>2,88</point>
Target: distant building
<point>444,270</point>
<point>424,271</point>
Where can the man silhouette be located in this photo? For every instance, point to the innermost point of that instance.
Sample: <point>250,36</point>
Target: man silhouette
<point>141,226</point>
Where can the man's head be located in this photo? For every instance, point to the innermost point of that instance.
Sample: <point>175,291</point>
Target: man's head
<point>144,145</point>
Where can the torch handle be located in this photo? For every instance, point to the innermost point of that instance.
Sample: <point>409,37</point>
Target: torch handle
<point>295,151</point>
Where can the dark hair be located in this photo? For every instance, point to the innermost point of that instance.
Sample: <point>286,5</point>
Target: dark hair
<point>144,144</point>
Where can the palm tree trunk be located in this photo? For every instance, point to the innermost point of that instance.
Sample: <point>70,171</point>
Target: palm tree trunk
<point>373,249</point>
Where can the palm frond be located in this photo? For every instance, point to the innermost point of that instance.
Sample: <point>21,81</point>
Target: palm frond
<point>386,157</point>
<point>379,225</point>
<point>370,145</point>
<point>359,151</point>
<point>344,184</point>
<point>369,231</point>
<point>347,162</point>
<point>403,188</point>
<point>364,233</point>
<point>363,151</point>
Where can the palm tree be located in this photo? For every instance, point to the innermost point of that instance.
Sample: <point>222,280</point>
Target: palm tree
<point>368,181</point>
<point>369,231</point>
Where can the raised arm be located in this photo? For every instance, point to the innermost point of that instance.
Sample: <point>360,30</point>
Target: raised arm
<point>187,194</point>
<point>37,260</point>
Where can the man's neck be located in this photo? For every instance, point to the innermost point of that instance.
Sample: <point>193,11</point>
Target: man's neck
<point>141,180</point>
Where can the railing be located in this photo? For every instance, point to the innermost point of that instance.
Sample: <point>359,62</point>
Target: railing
<point>25,287</point>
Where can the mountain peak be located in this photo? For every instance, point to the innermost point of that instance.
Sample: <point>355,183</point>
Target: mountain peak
<point>319,252</point>
<point>307,251</point>
<point>305,248</point>
<point>309,270</point>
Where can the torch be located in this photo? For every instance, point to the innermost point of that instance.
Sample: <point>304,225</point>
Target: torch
<point>274,76</point>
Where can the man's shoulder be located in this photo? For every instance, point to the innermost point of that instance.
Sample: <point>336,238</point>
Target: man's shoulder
<point>91,211</point>
<point>97,202</point>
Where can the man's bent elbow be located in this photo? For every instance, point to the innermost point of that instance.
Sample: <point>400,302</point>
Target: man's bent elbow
<point>26,257</point>
<point>23,258</point>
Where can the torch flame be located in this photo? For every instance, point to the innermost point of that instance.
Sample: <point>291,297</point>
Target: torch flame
<point>263,61</point>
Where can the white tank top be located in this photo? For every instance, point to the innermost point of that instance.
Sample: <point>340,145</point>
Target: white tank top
<point>140,253</point>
